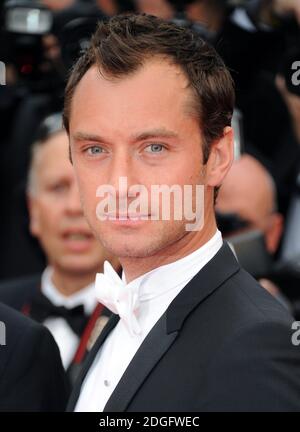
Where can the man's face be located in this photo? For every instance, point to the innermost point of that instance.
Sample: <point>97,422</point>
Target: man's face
<point>56,218</point>
<point>58,4</point>
<point>138,127</point>
<point>248,192</point>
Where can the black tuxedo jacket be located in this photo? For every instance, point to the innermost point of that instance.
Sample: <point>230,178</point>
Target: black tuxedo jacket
<point>32,377</point>
<point>19,294</point>
<point>224,344</point>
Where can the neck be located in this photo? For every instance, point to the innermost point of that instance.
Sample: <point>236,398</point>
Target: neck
<point>135,267</point>
<point>70,283</point>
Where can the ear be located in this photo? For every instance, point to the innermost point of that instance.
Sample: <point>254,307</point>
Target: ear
<point>274,232</point>
<point>34,224</point>
<point>220,158</point>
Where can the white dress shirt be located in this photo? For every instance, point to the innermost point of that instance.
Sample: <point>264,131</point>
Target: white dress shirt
<point>157,289</point>
<point>64,336</point>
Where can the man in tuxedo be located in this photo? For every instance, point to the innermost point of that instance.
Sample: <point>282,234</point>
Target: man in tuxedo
<point>63,297</point>
<point>247,206</point>
<point>149,104</point>
<point>31,373</point>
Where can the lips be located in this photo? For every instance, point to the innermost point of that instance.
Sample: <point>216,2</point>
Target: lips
<point>77,240</point>
<point>77,236</point>
<point>132,216</point>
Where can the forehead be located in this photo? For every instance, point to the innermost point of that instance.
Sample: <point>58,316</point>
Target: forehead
<point>51,158</point>
<point>158,91</point>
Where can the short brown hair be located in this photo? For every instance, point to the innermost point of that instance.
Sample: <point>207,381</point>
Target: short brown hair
<point>121,45</point>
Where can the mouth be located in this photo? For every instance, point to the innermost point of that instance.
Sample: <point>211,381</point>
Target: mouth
<point>124,217</point>
<point>77,236</point>
<point>77,240</point>
<point>125,220</point>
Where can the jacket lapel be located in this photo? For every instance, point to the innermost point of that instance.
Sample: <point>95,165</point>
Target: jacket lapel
<point>88,362</point>
<point>217,271</point>
<point>152,349</point>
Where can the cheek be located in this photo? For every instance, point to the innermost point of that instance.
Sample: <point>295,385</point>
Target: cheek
<point>186,174</point>
<point>187,169</point>
<point>49,227</point>
<point>88,184</point>
<point>50,215</point>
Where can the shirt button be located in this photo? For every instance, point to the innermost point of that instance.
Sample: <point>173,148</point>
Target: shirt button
<point>106,383</point>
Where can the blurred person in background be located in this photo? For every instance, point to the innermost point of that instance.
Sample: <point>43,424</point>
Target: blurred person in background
<point>210,13</point>
<point>114,7</point>
<point>37,57</point>
<point>292,102</point>
<point>33,91</point>
<point>31,373</point>
<point>160,8</point>
<point>288,269</point>
<point>62,297</point>
<point>58,4</point>
<point>248,193</point>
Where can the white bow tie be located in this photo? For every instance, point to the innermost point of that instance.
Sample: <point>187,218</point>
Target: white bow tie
<point>118,297</point>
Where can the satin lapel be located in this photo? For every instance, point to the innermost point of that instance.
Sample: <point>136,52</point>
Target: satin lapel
<point>88,362</point>
<point>221,268</point>
<point>150,352</point>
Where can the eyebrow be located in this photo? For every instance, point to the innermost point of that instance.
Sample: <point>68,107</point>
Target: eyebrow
<point>154,133</point>
<point>151,133</point>
<point>83,136</point>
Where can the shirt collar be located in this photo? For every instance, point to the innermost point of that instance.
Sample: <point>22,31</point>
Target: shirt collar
<point>86,296</point>
<point>169,276</point>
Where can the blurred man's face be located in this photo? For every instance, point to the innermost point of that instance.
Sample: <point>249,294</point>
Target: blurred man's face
<point>56,216</point>
<point>160,8</point>
<point>58,4</point>
<point>248,192</point>
<point>108,7</point>
<point>139,127</point>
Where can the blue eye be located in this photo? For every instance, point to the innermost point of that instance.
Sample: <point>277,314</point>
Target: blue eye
<point>95,150</point>
<point>155,148</point>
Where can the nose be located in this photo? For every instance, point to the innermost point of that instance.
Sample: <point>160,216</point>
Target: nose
<point>121,173</point>
<point>73,204</point>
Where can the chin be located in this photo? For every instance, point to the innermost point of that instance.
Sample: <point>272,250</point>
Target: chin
<point>140,244</point>
<point>79,266</point>
<point>125,248</point>
<point>134,249</point>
